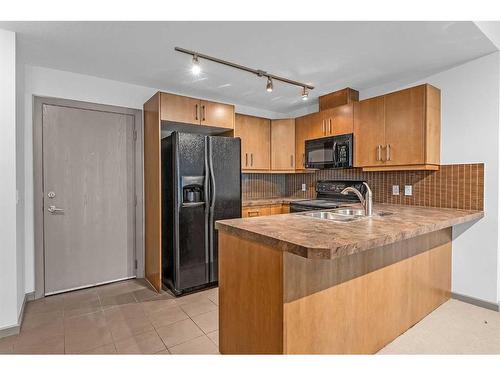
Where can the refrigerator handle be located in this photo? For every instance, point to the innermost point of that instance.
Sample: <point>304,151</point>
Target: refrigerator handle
<point>207,207</point>
<point>212,202</point>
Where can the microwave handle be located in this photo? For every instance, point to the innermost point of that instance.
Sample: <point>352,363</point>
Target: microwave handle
<point>335,153</point>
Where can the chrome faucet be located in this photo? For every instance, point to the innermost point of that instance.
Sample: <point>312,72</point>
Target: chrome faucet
<point>366,201</point>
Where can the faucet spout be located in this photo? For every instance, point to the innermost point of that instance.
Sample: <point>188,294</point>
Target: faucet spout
<point>366,202</point>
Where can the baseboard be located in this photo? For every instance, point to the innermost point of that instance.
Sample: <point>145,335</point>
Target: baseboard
<point>476,301</point>
<point>15,329</point>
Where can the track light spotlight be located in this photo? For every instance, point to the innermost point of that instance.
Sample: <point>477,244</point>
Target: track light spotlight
<point>305,94</point>
<point>196,69</point>
<point>269,86</point>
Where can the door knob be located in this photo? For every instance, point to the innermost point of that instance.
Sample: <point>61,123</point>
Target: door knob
<point>55,210</point>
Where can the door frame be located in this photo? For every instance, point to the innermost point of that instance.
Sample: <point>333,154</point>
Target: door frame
<point>38,102</point>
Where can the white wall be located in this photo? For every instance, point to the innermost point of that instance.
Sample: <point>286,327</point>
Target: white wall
<point>9,307</point>
<point>40,81</point>
<point>470,116</point>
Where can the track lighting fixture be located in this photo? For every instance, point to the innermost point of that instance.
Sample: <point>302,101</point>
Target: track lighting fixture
<point>196,69</point>
<point>269,86</point>
<point>305,93</point>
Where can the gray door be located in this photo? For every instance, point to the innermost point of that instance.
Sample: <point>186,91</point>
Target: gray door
<point>89,197</point>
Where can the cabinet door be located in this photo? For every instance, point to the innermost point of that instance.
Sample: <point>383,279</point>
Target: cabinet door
<point>369,133</point>
<point>404,127</point>
<point>217,114</point>
<point>255,134</point>
<point>283,144</point>
<point>301,134</point>
<point>317,125</point>
<point>340,120</point>
<point>178,108</point>
<point>276,209</point>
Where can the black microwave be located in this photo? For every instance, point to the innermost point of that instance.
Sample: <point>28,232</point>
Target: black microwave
<point>329,152</point>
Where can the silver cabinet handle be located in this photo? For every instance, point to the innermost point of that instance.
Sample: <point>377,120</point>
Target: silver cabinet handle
<point>291,160</point>
<point>54,210</point>
<point>330,125</point>
<point>379,153</point>
<point>196,112</point>
<point>388,152</point>
<point>202,113</point>
<point>246,159</point>
<point>323,126</point>
<point>251,159</point>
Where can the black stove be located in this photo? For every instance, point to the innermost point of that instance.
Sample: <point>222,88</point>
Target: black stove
<point>328,196</point>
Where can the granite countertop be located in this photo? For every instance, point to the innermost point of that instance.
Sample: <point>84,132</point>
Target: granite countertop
<point>267,201</point>
<point>325,239</point>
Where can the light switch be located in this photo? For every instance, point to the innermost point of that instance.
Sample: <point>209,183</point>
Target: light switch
<point>395,189</point>
<point>304,187</point>
<point>408,190</point>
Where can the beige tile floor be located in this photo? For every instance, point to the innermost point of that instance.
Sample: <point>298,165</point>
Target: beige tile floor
<point>453,328</point>
<point>128,318</point>
<point>124,318</point>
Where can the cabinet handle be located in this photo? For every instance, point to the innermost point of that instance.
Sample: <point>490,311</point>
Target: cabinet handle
<point>251,159</point>
<point>253,213</point>
<point>379,153</point>
<point>196,112</point>
<point>291,160</point>
<point>388,152</point>
<point>202,113</point>
<point>246,159</point>
<point>330,126</point>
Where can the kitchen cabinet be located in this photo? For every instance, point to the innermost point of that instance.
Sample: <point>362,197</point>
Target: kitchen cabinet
<point>217,114</point>
<point>255,134</point>
<point>339,120</point>
<point>283,144</point>
<point>256,211</point>
<point>265,210</point>
<point>186,110</point>
<point>302,133</point>
<point>405,136</point>
<point>369,132</point>
<point>338,98</point>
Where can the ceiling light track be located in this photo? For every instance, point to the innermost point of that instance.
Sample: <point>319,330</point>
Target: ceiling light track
<point>261,73</point>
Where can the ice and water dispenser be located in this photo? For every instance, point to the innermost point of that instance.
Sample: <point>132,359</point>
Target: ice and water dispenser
<point>192,189</point>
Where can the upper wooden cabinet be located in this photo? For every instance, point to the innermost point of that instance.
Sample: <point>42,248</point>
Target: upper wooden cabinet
<point>183,109</point>
<point>404,135</point>
<point>283,144</point>
<point>339,120</point>
<point>217,114</point>
<point>302,133</point>
<point>369,132</point>
<point>255,134</point>
<point>338,98</point>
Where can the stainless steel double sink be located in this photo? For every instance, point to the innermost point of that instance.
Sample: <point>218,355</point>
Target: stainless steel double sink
<point>341,214</point>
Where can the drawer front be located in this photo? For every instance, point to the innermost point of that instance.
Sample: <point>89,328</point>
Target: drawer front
<point>256,211</point>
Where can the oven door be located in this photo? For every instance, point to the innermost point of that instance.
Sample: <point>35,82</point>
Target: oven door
<point>329,152</point>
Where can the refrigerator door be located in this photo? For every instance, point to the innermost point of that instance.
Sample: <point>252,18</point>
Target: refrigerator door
<point>225,186</point>
<point>190,219</point>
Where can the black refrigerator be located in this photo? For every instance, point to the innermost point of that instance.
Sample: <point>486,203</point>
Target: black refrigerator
<point>201,183</point>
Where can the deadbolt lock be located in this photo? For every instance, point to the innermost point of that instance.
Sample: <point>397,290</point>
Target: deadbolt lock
<point>51,194</point>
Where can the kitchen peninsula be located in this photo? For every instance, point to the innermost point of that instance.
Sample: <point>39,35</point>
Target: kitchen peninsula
<point>297,284</point>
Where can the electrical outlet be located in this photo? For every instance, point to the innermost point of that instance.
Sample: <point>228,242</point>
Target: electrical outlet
<point>304,187</point>
<point>395,189</point>
<point>408,190</point>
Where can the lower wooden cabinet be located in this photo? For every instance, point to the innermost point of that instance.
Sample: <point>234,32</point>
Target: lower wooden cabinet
<point>265,210</point>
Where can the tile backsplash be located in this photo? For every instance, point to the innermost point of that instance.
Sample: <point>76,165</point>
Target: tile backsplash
<point>452,186</point>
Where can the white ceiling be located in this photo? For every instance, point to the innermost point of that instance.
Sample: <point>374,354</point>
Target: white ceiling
<point>328,55</point>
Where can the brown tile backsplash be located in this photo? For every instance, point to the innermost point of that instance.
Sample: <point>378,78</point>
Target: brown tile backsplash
<point>453,186</point>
